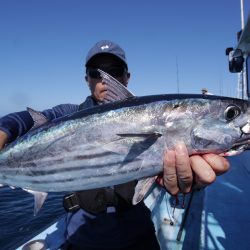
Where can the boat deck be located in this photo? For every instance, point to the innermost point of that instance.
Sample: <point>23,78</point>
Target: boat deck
<point>217,217</point>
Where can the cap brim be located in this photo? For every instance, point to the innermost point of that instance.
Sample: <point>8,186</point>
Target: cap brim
<point>88,63</point>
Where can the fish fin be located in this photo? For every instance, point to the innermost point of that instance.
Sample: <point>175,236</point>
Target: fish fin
<point>39,198</point>
<point>129,145</point>
<point>142,189</point>
<point>116,91</point>
<point>146,140</point>
<point>38,118</point>
<point>143,134</point>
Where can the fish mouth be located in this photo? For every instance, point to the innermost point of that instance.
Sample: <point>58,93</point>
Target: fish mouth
<point>243,143</point>
<point>238,147</point>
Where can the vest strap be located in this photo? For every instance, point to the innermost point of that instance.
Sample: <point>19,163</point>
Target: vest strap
<point>98,200</point>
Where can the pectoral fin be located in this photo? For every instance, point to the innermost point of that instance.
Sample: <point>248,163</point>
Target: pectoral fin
<point>141,135</point>
<point>141,142</point>
<point>39,198</point>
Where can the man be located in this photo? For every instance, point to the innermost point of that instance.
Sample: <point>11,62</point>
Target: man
<point>105,218</point>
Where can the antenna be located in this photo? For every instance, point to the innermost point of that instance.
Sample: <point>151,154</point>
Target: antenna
<point>242,82</point>
<point>242,14</point>
<point>221,84</point>
<point>177,76</point>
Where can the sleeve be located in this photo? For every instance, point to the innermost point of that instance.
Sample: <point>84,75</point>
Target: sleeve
<point>19,123</point>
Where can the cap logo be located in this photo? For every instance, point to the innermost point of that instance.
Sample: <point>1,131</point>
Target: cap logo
<point>104,47</point>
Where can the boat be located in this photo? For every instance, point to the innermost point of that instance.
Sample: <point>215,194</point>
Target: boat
<point>216,217</point>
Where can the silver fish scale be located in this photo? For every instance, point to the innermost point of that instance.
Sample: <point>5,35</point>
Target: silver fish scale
<point>118,145</point>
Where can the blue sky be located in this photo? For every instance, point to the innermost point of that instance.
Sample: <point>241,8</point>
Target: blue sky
<point>44,43</point>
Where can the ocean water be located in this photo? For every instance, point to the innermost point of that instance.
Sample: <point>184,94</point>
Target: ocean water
<point>17,221</point>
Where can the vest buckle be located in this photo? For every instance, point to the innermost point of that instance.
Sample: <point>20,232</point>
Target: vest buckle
<point>71,203</point>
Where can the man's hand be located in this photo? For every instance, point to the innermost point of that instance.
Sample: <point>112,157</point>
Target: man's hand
<point>3,139</point>
<point>181,171</point>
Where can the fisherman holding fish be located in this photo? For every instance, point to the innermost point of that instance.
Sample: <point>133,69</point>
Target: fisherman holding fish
<point>104,218</point>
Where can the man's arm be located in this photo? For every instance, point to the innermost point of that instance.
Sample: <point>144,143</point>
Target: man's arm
<point>16,124</point>
<point>3,139</point>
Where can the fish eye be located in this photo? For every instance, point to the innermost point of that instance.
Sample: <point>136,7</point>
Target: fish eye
<point>232,112</point>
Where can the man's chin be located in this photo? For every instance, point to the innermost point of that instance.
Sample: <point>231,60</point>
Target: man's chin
<point>101,98</point>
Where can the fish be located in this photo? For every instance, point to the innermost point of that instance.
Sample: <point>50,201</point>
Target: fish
<point>121,141</point>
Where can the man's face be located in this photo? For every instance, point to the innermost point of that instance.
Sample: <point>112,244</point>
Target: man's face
<point>112,66</point>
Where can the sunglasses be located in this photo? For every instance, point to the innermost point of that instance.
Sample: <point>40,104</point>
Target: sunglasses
<point>115,71</point>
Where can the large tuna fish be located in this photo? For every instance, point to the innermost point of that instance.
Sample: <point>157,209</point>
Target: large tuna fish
<point>121,141</point>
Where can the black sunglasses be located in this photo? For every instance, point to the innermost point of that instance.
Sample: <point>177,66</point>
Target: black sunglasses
<point>115,71</point>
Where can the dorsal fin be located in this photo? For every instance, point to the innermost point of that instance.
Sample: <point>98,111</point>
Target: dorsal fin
<point>38,118</point>
<point>116,91</point>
